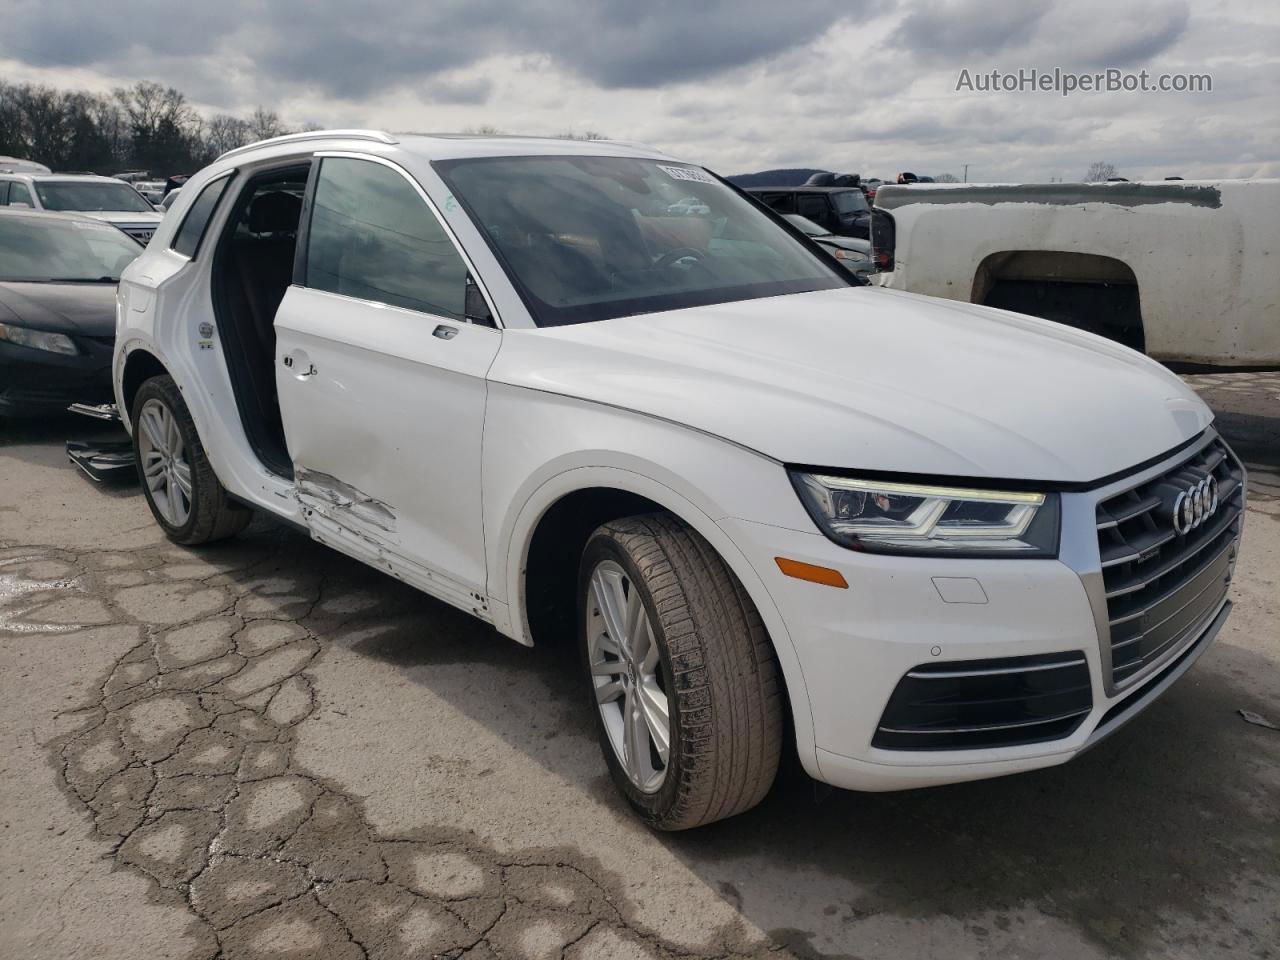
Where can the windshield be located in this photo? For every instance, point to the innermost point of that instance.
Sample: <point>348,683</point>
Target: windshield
<point>805,225</point>
<point>90,195</point>
<point>40,248</point>
<point>592,238</point>
<point>851,201</point>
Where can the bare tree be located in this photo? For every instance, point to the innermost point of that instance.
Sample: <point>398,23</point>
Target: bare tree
<point>946,178</point>
<point>483,130</point>
<point>265,124</point>
<point>161,124</point>
<point>584,135</point>
<point>1099,172</point>
<point>224,132</point>
<point>145,126</point>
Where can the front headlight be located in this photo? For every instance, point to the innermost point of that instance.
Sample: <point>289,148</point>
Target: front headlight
<point>884,517</point>
<point>37,339</point>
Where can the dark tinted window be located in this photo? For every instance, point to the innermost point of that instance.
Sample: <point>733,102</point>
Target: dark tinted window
<point>374,238</point>
<point>18,193</point>
<point>187,240</point>
<point>591,238</point>
<point>91,195</point>
<point>851,201</point>
<point>782,202</point>
<point>812,205</point>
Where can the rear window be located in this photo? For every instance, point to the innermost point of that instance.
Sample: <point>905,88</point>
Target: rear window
<point>187,240</point>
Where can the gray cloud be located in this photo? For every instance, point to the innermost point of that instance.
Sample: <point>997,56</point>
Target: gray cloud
<point>353,54</point>
<point>864,85</point>
<point>950,29</point>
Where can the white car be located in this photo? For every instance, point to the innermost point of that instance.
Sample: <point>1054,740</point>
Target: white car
<point>103,198</point>
<point>928,542</point>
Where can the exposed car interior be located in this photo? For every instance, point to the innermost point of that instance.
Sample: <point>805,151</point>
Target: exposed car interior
<point>252,269</point>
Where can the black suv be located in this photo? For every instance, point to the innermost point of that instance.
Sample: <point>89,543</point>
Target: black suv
<point>842,210</point>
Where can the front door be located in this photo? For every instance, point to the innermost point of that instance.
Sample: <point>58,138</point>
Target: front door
<point>382,382</point>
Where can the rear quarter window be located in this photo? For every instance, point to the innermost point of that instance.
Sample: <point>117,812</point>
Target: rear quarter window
<point>187,240</point>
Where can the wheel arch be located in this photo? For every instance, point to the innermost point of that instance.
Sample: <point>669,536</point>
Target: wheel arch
<point>1089,291</point>
<point>140,365</point>
<point>568,502</point>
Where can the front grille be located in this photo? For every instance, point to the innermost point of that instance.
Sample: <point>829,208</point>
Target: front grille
<point>1163,580</point>
<point>969,704</point>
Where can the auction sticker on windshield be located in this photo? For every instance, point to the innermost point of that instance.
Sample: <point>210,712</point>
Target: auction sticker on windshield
<point>687,173</point>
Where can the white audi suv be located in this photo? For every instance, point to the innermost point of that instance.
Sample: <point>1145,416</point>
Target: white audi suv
<point>921,541</point>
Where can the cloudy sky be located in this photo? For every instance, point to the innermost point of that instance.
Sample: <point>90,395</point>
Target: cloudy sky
<point>854,85</point>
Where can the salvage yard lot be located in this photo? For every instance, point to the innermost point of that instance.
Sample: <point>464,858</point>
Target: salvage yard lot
<point>263,748</point>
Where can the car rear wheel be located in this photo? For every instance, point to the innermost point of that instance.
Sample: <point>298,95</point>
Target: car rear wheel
<point>181,488</point>
<point>681,672</point>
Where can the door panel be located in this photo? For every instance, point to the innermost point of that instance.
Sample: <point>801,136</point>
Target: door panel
<point>382,380</point>
<point>383,422</point>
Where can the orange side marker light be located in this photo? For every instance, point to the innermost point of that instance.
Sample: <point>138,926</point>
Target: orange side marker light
<point>814,574</point>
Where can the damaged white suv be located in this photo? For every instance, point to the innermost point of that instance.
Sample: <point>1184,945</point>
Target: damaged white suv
<point>929,542</point>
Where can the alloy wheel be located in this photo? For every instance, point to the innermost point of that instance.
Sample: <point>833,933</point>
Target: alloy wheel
<point>625,666</point>
<point>164,466</point>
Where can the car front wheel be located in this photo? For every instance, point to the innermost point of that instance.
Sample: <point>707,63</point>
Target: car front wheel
<point>178,481</point>
<point>681,673</point>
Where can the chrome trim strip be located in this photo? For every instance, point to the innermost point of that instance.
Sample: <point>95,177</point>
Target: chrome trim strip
<point>994,726</point>
<point>995,672</point>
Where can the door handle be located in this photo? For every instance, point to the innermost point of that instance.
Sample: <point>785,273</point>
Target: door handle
<point>445,332</point>
<point>291,359</point>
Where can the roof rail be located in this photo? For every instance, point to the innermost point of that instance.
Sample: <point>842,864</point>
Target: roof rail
<point>378,135</point>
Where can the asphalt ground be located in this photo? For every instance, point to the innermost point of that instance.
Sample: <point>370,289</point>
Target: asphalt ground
<point>265,749</point>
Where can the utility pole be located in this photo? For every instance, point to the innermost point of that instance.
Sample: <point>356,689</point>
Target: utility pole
<point>966,173</point>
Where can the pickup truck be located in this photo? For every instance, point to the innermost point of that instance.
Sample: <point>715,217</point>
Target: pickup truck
<point>1185,271</point>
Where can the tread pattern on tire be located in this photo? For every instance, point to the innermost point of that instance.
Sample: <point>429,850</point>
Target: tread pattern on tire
<point>214,515</point>
<point>727,688</point>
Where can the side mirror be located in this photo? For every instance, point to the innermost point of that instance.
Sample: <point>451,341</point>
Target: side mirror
<point>476,308</point>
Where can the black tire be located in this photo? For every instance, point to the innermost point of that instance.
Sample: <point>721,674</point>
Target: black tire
<point>213,515</point>
<point>720,674</point>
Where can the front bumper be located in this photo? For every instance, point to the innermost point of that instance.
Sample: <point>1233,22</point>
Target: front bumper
<point>39,382</point>
<point>855,645</point>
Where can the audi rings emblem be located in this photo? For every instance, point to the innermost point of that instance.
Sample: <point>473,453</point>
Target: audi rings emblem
<point>1194,505</point>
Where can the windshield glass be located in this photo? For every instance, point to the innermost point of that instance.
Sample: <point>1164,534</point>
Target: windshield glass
<point>805,225</point>
<point>592,238</point>
<point>43,248</point>
<point>90,195</point>
<point>851,201</point>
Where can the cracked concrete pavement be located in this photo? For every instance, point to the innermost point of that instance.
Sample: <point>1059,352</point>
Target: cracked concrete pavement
<point>264,749</point>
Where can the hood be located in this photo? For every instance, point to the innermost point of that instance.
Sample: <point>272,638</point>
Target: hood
<point>873,379</point>
<point>125,216</point>
<point>88,309</point>
<point>847,243</point>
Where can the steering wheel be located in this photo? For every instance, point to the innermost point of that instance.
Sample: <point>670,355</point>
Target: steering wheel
<point>671,257</point>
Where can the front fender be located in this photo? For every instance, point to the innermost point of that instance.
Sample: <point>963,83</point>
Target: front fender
<point>699,479</point>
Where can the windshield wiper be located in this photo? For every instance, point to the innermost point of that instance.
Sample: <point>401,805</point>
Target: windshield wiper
<point>81,280</point>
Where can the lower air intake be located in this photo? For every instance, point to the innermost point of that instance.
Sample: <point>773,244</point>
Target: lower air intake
<point>970,704</point>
